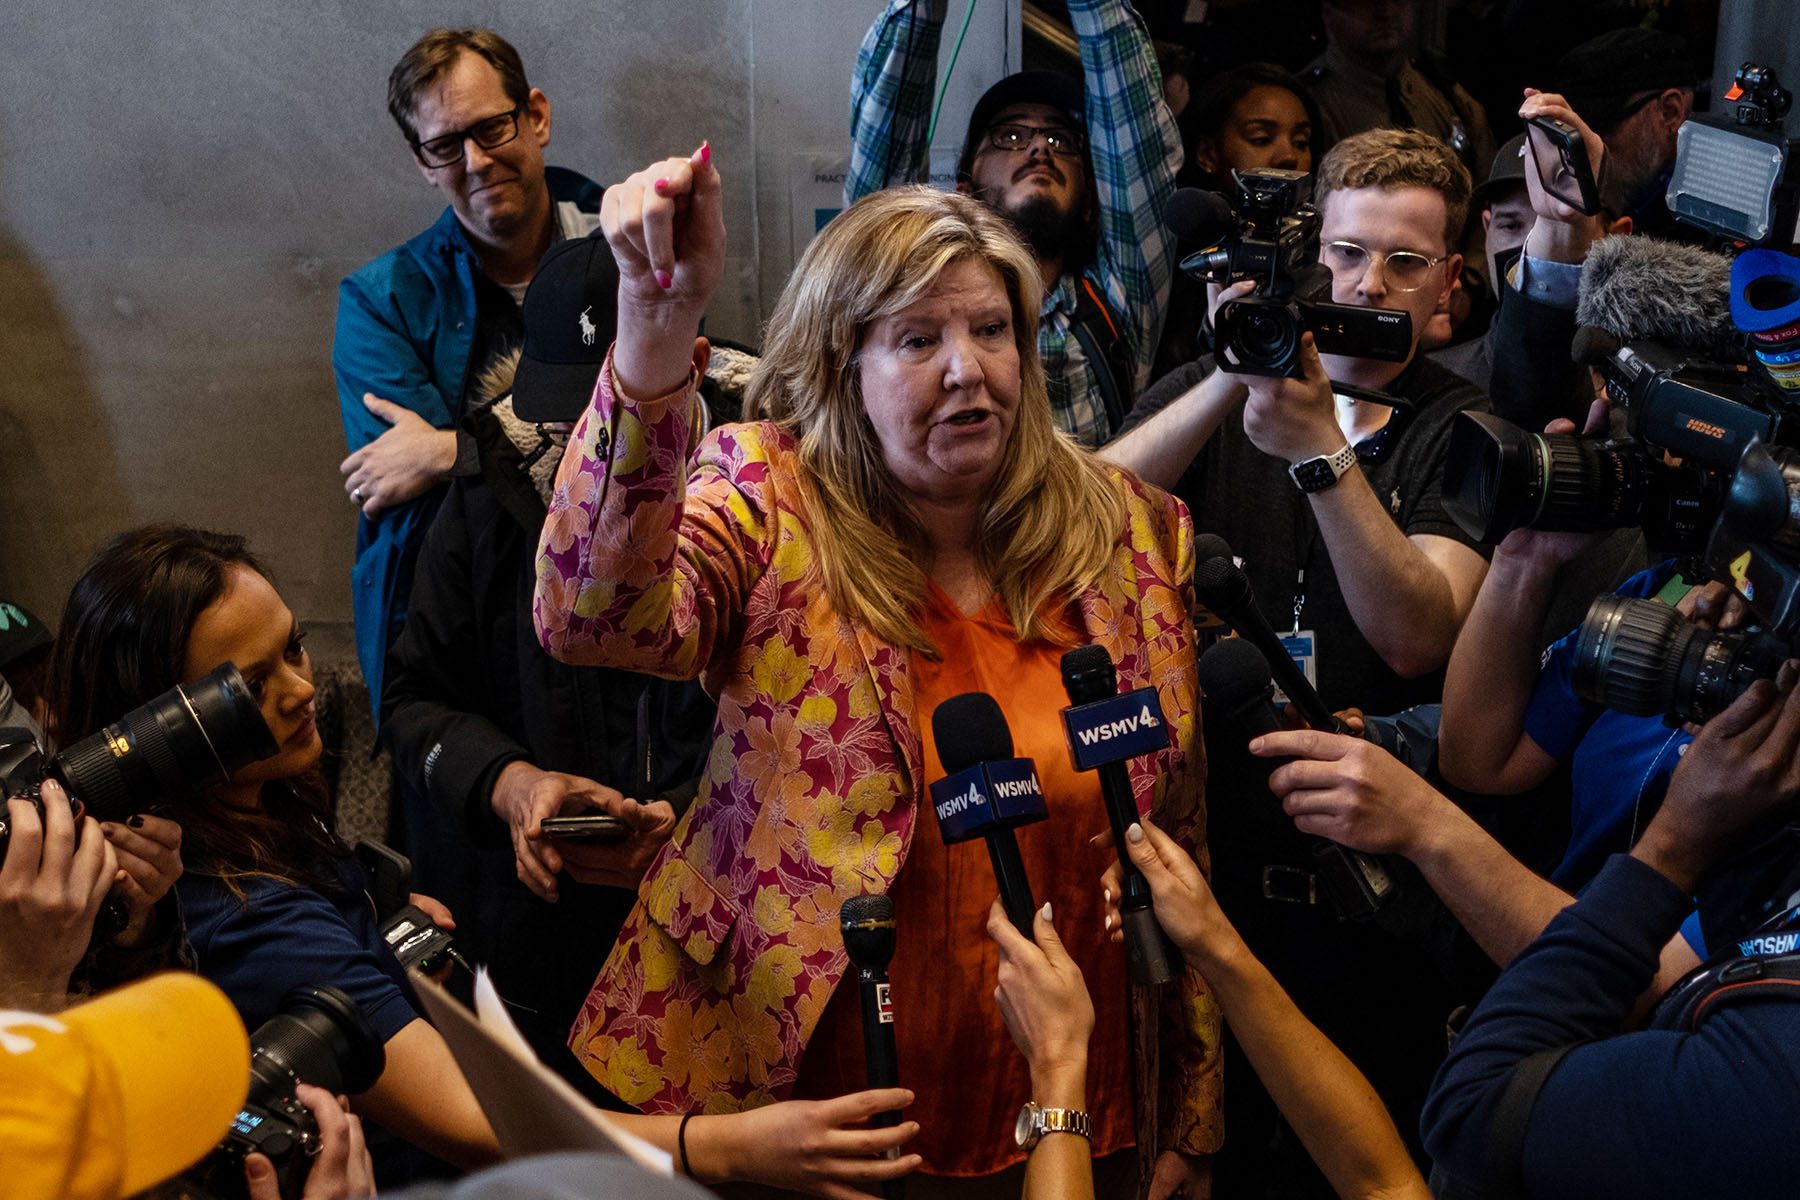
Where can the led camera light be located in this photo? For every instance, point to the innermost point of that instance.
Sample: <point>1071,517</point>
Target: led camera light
<point>1726,180</point>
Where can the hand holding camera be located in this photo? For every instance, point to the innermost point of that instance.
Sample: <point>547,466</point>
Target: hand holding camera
<point>342,1168</point>
<point>149,853</point>
<point>1294,419</point>
<point>55,876</point>
<point>1563,160</point>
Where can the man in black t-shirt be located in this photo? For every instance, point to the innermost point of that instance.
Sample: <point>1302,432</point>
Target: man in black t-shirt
<point>1354,547</point>
<point>1333,503</point>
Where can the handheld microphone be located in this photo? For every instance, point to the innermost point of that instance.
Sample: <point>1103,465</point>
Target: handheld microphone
<point>987,793</point>
<point>1223,587</point>
<point>1105,728</point>
<point>1234,676</point>
<point>1197,215</point>
<point>868,926</point>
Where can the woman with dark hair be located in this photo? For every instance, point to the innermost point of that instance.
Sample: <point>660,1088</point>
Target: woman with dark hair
<point>274,899</point>
<point>1257,116</point>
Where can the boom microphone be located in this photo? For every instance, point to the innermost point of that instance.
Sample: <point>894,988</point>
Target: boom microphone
<point>987,793</point>
<point>868,926</point>
<point>1105,729</point>
<point>1194,215</point>
<point>1644,289</point>
<point>1234,676</point>
<point>1225,590</point>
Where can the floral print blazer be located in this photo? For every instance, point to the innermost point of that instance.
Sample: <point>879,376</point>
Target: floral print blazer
<point>813,790</point>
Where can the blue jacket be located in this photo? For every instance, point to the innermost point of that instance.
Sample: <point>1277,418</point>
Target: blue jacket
<point>406,331</point>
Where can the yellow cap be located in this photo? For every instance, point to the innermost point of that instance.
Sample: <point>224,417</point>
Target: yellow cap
<point>120,1093</point>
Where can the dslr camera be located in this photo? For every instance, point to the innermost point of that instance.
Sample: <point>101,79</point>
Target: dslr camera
<point>186,736</point>
<point>319,1036</point>
<point>1270,233</point>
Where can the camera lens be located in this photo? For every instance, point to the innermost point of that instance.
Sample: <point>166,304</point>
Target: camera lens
<point>189,733</point>
<point>1643,658</point>
<point>319,1037</point>
<point>1260,337</point>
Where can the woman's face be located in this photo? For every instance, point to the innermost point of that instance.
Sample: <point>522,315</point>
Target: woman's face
<point>250,626</point>
<point>1268,127</point>
<point>940,382</point>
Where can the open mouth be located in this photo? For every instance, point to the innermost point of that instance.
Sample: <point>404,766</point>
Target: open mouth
<point>974,416</point>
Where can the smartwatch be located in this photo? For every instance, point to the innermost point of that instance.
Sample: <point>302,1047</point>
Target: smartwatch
<point>1035,1122</point>
<point>1316,474</point>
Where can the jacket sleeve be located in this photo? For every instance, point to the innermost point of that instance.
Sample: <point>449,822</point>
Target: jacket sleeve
<point>890,98</point>
<point>1681,1110</point>
<point>1190,1106</point>
<point>1534,380</point>
<point>1136,150</point>
<point>641,566</point>
<point>431,719</point>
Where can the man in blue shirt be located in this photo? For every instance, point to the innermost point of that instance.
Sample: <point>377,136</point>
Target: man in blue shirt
<point>417,324</point>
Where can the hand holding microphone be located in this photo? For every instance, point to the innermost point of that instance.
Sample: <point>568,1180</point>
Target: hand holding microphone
<point>1106,729</point>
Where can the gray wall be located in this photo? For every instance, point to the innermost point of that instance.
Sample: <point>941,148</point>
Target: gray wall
<point>183,183</point>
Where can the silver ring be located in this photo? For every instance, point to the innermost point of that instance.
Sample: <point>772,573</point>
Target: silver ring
<point>356,496</point>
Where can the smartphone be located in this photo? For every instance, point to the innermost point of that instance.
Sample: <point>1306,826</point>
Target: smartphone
<point>1562,163</point>
<point>586,827</point>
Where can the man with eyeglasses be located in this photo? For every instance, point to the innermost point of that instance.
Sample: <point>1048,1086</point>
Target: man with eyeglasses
<point>416,325</point>
<point>1331,498</point>
<point>1084,170</point>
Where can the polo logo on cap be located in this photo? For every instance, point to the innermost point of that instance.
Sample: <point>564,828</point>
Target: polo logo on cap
<point>588,330</point>
<point>16,1043</point>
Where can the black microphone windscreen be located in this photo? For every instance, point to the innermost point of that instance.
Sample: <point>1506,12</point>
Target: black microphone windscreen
<point>1210,546</point>
<point>1637,287</point>
<point>1199,216</point>
<point>970,729</point>
<point>862,910</point>
<point>1232,673</point>
<point>1221,584</point>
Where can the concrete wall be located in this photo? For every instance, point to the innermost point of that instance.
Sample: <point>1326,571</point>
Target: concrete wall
<point>184,182</point>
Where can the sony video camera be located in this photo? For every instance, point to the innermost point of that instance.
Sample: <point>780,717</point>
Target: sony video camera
<point>1271,234</point>
<point>190,733</point>
<point>320,1037</point>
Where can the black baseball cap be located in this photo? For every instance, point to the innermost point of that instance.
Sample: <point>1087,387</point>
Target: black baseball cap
<point>1059,91</point>
<point>570,312</point>
<point>1507,172</point>
<point>1600,77</point>
<point>20,632</point>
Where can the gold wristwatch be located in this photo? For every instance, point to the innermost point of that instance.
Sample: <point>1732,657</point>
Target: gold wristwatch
<point>1035,1122</point>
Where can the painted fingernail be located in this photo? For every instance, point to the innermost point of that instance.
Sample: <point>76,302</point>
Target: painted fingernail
<point>1134,832</point>
<point>660,184</point>
<point>706,151</point>
<point>665,280</point>
<point>1106,923</point>
<point>1044,912</point>
<point>136,822</point>
<point>1106,895</point>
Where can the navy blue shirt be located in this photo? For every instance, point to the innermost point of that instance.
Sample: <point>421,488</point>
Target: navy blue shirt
<point>1644,1115</point>
<point>280,936</point>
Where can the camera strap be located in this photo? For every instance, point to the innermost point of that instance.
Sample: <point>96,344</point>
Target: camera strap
<point>1101,341</point>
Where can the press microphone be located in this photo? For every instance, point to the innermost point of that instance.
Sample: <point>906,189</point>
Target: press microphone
<point>987,793</point>
<point>1225,590</point>
<point>1235,679</point>
<point>868,926</point>
<point>1208,546</point>
<point>1105,729</point>
<point>1196,215</point>
<point>1638,288</point>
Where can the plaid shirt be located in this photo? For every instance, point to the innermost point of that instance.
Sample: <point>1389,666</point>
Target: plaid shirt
<point>1135,149</point>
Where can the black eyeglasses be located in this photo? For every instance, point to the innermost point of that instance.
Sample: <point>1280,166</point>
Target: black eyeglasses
<point>1063,141</point>
<point>490,133</point>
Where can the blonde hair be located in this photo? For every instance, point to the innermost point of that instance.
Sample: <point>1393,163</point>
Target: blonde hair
<point>1051,517</point>
<point>1399,158</point>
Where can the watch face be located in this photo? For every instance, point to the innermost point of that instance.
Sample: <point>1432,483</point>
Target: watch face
<point>1314,474</point>
<point>1024,1129</point>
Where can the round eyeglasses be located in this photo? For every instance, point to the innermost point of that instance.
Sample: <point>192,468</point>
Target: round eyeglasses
<point>490,133</point>
<point>1062,141</point>
<point>1406,270</point>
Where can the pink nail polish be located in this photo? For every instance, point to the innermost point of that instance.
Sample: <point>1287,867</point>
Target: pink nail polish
<point>706,151</point>
<point>660,184</point>
<point>664,280</point>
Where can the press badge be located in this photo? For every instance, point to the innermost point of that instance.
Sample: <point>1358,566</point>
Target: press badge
<point>1303,649</point>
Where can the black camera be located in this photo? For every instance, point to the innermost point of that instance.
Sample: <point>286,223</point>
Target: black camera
<point>1644,658</point>
<point>190,733</point>
<point>1270,234</point>
<point>319,1037</point>
<point>1499,477</point>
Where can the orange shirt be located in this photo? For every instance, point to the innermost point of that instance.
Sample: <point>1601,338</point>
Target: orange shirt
<point>955,1053</point>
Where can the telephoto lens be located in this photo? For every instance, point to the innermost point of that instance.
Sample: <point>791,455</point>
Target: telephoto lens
<point>1499,477</point>
<point>1643,658</point>
<point>190,733</point>
<point>319,1037</point>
